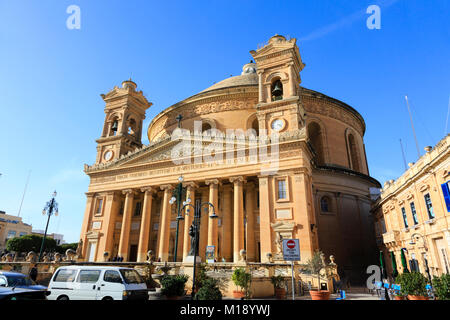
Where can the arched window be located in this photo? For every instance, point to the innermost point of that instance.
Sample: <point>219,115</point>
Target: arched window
<point>316,138</point>
<point>354,154</point>
<point>325,204</point>
<point>132,127</point>
<point>255,126</point>
<point>276,90</point>
<point>206,126</point>
<point>114,127</point>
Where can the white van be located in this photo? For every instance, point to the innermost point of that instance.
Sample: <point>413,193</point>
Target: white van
<point>97,283</point>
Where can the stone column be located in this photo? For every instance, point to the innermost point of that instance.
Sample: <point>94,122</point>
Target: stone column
<point>106,242</point>
<point>203,226</point>
<point>86,222</point>
<point>188,217</point>
<point>227,222</point>
<point>261,87</point>
<point>303,215</point>
<point>250,214</point>
<point>212,223</point>
<point>163,250</point>
<point>145,224</point>
<point>238,212</point>
<point>266,237</point>
<point>126,224</point>
<point>292,79</point>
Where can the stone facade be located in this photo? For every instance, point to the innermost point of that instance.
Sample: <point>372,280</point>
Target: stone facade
<point>413,213</point>
<point>318,192</point>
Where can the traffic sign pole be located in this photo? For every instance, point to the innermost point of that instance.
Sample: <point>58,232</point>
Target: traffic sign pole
<point>293,282</point>
<point>291,252</point>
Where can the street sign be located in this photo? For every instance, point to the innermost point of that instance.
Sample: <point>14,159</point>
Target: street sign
<point>291,250</point>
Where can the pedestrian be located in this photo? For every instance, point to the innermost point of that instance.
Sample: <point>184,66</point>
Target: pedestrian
<point>33,273</point>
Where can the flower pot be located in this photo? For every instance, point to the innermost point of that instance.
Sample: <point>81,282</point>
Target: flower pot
<point>410,297</point>
<point>280,293</point>
<point>399,298</point>
<point>238,294</point>
<point>320,295</point>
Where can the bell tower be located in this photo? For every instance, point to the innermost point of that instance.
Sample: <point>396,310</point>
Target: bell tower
<point>122,130</point>
<point>279,105</point>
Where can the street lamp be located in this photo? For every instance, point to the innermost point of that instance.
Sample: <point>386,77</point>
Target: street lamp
<point>412,242</point>
<point>177,198</point>
<point>196,228</point>
<point>50,208</point>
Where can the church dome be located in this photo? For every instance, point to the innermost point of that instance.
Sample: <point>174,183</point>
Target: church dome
<point>248,77</point>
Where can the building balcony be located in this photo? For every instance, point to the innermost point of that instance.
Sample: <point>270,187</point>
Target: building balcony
<point>391,237</point>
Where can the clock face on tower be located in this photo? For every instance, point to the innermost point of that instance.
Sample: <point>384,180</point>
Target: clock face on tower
<point>278,124</point>
<point>108,155</point>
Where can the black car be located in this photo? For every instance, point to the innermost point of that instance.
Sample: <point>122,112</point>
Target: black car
<point>13,293</point>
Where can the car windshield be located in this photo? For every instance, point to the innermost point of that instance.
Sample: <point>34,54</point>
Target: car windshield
<point>131,276</point>
<point>15,281</point>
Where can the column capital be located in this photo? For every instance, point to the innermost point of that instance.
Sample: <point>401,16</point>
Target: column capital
<point>190,184</point>
<point>148,190</point>
<point>166,187</point>
<point>90,194</point>
<point>128,192</point>
<point>213,182</point>
<point>238,179</point>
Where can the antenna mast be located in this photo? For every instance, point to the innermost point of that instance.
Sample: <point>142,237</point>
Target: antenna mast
<point>403,154</point>
<point>446,123</point>
<point>412,125</point>
<point>24,190</point>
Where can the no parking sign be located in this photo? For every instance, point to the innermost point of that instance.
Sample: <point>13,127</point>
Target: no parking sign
<point>291,250</point>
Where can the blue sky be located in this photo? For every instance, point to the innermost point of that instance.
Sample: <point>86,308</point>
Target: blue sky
<point>51,77</point>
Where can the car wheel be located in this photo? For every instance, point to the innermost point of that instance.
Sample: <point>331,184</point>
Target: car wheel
<point>63,298</point>
<point>107,299</point>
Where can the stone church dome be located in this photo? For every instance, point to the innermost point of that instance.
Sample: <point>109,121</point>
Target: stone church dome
<point>248,77</point>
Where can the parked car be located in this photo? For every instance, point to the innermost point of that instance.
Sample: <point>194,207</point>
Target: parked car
<point>14,293</point>
<point>18,280</point>
<point>97,283</point>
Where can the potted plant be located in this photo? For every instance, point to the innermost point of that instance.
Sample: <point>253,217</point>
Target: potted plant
<point>441,286</point>
<point>397,293</point>
<point>314,266</point>
<point>413,285</point>
<point>280,291</point>
<point>173,286</point>
<point>242,280</point>
<point>209,290</point>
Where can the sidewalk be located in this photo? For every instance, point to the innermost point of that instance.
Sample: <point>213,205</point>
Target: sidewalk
<point>355,293</point>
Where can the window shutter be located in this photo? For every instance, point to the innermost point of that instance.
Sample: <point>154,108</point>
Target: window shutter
<point>446,193</point>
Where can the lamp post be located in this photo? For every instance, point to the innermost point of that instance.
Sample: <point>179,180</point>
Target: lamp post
<point>177,198</point>
<point>50,208</point>
<point>412,242</point>
<point>196,226</point>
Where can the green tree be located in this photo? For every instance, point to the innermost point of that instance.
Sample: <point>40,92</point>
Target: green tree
<point>30,242</point>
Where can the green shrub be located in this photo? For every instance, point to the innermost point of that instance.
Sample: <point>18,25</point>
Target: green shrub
<point>209,290</point>
<point>173,285</point>
<point>441,286</point>
<point>413,284</point>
